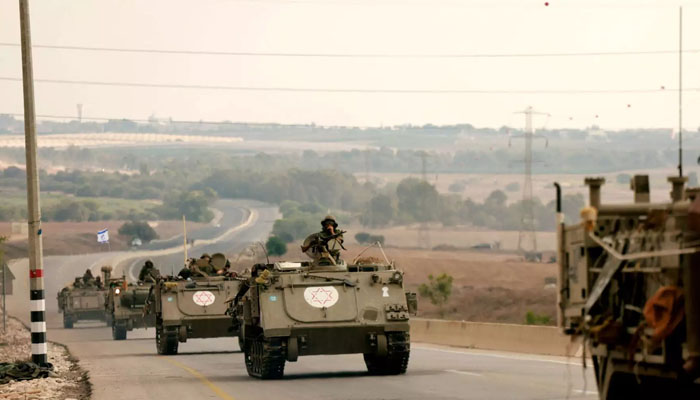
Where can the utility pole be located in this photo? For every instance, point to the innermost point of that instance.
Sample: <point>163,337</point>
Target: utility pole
<point>527,239</point>
<point>80,112</point>
<point>36,268</point>
<point>424,228</point>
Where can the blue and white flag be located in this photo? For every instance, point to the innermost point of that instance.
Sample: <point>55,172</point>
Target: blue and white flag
<point>103,236</point>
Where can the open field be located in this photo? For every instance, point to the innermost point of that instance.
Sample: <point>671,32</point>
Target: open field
<point>460,237</point>
<point>68,238</point>
<point>479,186</point>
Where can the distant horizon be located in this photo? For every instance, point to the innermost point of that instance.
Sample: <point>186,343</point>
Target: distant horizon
<point>86,120</point>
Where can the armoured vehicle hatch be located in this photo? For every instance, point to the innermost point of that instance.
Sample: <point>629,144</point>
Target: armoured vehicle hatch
<point>629,283</point>
<point>292,309</point>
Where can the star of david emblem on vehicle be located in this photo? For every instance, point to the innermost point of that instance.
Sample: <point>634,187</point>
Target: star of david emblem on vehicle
<point>203,298</point>
<point>321,296</point>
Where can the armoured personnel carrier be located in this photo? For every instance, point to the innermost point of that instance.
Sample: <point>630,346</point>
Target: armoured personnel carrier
<point>629,284</point>
<point>126,306</point>
<point>84,299</point>
<point>192,308</point>
<point>292,309</point>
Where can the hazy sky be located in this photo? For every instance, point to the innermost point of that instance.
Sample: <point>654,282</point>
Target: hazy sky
<point>362,26</point>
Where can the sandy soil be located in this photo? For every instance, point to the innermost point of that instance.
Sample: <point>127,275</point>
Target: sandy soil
<point>460,237</point>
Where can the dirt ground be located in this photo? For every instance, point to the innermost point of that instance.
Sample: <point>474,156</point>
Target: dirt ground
<point>487,286</point>
<point>67,238</point>
<point>66,381</point>
<point>460,237</point>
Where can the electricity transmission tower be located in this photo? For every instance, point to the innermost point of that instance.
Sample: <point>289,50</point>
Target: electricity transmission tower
<point>527,240</point>
<point>424,229</point>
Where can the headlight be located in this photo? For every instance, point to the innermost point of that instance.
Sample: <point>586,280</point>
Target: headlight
<point>116,291</point>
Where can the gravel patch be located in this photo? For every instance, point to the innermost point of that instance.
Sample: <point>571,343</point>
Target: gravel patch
<point>67,381</point>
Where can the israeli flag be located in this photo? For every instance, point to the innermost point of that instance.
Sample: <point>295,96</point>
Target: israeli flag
<point>103,236</point>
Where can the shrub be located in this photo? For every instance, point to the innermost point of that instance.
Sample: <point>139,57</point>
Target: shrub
<point>139,230</point>
<point>532,318</point>
<point>275,246</point>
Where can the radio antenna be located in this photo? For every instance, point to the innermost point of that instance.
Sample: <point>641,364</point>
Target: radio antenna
<point>680,91</point>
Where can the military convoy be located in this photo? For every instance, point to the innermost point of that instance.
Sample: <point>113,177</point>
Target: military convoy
<point>84,299</point>
<point>630,285</point>
<point>126,306</point>
<point>292,309</point>
<point>279,311</point>
<point>194,307</point>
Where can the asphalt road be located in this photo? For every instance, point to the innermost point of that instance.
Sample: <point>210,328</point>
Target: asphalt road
<point>214,368</point>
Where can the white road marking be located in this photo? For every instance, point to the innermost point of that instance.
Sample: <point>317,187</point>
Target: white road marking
<point>454,371</point>
<point>493,355</point>
<point>586,392</point>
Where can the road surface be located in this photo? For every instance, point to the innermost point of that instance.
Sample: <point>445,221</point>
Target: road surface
<point>214,368</point>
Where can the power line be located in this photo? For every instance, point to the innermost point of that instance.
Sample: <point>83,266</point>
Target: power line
<point>347,90</point>
<point>353,55</point>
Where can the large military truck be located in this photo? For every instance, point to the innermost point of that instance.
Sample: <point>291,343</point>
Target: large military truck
<point>194,308</point>
<point>629,284</point>
<point>126,306</point>
<point>82,300</point>
<point>292,309</point>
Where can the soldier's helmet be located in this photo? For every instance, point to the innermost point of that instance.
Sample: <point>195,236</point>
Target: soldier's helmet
<point>327,219</point>
<point>149,264</point>
<point>205,255</point>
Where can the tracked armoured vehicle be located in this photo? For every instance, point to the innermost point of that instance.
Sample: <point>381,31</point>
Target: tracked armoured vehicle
<point>126,306</point>
<point>292,309</point>
<point>629,284</point>
<point>192,308</point>
<point>83,300</point>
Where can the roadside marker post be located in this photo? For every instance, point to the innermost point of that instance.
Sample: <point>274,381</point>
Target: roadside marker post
<point>36,262</point>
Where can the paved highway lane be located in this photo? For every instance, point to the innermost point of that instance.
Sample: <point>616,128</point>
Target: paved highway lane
<point>214,369</point>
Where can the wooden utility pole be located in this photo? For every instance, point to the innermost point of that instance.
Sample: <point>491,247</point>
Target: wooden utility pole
<point>36,263</point>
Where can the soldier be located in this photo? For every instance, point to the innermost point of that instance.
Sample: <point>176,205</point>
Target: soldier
<point>148,272</point>
<point>88,279</point>
<point>317,247</point>
<point>185,272</point>
<point>204,266</point>
<point>78,283</point>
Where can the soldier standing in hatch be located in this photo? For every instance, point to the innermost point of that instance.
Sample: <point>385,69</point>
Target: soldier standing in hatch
<point>316,244</point>
<point>88,279</point>
<point>148,272</point>
<point>205,266</point>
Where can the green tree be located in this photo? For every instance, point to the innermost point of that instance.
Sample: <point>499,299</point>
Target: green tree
<point>417,200</point>
<point>275,246</point>
<point>193,204</point>
<point>380,211</point>
<point>141,230</point>
<point>438,290</point>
